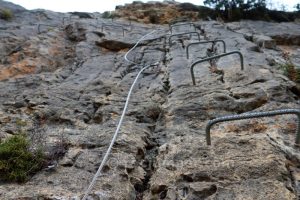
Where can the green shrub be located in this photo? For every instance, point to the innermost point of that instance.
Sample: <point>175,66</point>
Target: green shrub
<point>154,18</point>
<point>20,122</point>
<point>188,7</point>
<point>6,14</point>
<point>108,15</point>
<point>291,72</point>
<point>205,12</point>
<point>289,68</point>
<point>17,162</point>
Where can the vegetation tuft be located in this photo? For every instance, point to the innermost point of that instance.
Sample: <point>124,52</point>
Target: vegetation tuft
<point>289,68</point>
<point>290,71</point>
<point>17,162</point>
<point>6,14</point>
<point>108,15</point>
<point>154,18</point>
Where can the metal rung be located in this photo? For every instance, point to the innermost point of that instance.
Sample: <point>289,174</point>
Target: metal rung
<point>94,26</point>
<point>112,25</point>
<point>214,57</point>
<point>112,19</point>
<point>74,15</point>
<point>64,19</point>
<point>119,24</point>
<point>254,115</point>
<point>160,38</point>
<point>7,36</point>
<point>187,33</point>
<point>205,42</point>
<point>130,28</point>
<point>181,24</point>
<point>39,27</point>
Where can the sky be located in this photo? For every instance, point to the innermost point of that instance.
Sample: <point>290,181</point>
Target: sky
<point>109,5</point>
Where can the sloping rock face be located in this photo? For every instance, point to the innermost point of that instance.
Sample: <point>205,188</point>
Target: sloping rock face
<point>11,6</point>
<point>71,93</point>
<point>283,33</point>
<point>285,36</point>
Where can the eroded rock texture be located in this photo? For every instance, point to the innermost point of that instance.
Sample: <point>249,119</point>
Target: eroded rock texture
<point>68,86</point>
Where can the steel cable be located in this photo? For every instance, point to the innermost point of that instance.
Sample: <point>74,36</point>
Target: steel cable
<point>121,119</point>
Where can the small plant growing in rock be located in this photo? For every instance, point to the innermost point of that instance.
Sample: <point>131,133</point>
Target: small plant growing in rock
<point>290,71</point>
<point>154,18</point>
<point>6,14</point>
<point>153,111</point>
<point>59,149</point>
<point>20,122</point>
<point>289,68</point>
<point>108,15</point>
<point>17,162</point>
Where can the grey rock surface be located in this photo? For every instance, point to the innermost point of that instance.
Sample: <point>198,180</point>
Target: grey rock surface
<point>69,90</point>
<point>11,6</point>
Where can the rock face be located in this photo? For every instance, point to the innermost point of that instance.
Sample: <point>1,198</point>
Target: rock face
<point>68,85</point>
<point>11,6</point>
<point>282,33</point>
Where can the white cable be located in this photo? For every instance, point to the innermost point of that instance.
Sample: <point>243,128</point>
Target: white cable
<point>141,39</point>
<point>120,122</point>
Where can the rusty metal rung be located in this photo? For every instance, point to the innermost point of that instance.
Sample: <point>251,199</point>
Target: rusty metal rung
<point>64,19</point>
<point>254,115</point>
<point>215,57</point>
<point>119,24</point>
<point>122,24</point>
<point>39,27</point>
<point>205,42</point>
<point>187,33</point>
<point>112,25</point>
<point>74,15</point>
<point>182,24</point>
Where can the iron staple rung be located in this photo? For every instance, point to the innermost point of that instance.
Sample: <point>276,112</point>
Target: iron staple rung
<point>112,19</point>
<point>215,57</point>
<point>182,24</point>
<point>64,19</point>
<point>112,25</point>
<point>48,25</point>
<point>187,33</point>
<point>251,116</point>
<point>70,18</point>
<point>119,24</point>
<point>130,22</point>
<point>205,42</point>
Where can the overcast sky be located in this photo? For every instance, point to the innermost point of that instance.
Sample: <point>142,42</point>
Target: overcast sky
<point>107,5</point>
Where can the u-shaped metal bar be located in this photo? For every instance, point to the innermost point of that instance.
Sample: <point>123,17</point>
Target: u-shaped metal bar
<point>254,115</point>
<point>7,36</point>
<point>214,57</point>
<point>112,25</point>
<point>187,33</point>
<point>115,21</point>
<point>74,16</point>
<point>64,19</point>
<point>182,24</point>
<point>205,42</point>
<point>39,27</point>
<point>121,24</point>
